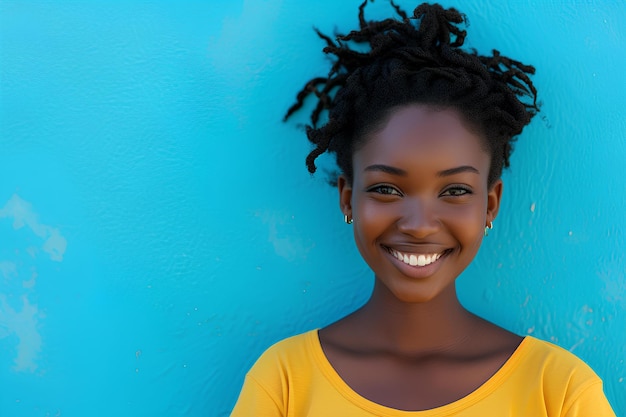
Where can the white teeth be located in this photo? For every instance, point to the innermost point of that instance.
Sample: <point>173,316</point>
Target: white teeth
<point>416,260</point>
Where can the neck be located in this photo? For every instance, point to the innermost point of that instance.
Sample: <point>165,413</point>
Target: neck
<point>434,325</point>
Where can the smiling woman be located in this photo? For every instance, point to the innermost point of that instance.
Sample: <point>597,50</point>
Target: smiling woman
<point>421,130</point>
<point>420,193</point>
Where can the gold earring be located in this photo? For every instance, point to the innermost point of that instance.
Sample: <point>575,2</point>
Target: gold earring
<point>489,226</point>
<point>347,219</point>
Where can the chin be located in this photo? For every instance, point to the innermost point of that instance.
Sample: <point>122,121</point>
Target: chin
<point>416,296</point>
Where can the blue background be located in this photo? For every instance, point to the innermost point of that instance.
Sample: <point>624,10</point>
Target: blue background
<point>158,228</point>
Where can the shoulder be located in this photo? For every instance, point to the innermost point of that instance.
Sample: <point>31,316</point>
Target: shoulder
<point>556,361</point>
<point>566,381</point>
<point>267,386</point>
<point>295,345</point>
<point>285,357</point>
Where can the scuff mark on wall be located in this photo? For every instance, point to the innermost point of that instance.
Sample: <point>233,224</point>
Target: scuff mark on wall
<point>283,236</point>
<point>614,290</point>
<point>19,317</point>
<point>22,213</point>
<point>23,324</point>
<point>8,269</point>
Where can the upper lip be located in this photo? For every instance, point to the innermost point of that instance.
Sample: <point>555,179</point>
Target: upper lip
<point>422,248</point>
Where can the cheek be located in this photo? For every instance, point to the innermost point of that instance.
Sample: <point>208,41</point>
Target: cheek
<point>370,221</point>
<point>469,222</point>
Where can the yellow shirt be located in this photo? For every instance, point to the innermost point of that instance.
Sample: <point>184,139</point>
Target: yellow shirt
<point>293,378</point>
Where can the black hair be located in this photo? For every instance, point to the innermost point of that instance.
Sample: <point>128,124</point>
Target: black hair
<point>415,60</point>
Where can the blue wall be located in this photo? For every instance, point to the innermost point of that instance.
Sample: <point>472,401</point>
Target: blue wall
<point>158,228</point>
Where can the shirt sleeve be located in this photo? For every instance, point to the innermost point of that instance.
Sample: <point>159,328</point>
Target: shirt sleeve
<point>255,400</point>
<point>590,402</point>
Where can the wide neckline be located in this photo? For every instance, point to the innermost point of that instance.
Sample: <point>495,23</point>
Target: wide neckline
<point>478,394</point>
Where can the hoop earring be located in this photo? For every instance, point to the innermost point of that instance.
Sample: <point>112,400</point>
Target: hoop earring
<point>347,219</point>
<point>489,226</point>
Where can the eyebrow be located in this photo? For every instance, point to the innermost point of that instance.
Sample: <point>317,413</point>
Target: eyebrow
<point>387,169</point>
<point>457,170</point>
<point>402,173</point>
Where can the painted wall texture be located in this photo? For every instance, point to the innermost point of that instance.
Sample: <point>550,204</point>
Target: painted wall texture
<point>158,228</point>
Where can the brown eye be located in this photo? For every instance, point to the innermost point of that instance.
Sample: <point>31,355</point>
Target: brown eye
<point>385,190</point>
<point>456,192</point>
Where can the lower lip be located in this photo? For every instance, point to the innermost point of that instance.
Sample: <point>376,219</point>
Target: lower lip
<point>416,272</point>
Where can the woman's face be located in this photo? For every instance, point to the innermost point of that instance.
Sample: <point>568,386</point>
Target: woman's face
<point>420,200</point>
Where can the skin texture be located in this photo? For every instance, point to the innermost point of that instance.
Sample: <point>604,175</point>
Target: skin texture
<point>420,187</point>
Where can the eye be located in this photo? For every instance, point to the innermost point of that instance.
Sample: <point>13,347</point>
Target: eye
<point>384,190</point>
<point>456,191</point>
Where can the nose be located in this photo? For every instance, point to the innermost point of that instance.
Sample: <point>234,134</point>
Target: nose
<point>418,218</point>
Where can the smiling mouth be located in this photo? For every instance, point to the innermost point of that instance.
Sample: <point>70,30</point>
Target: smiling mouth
<point>413,259</point>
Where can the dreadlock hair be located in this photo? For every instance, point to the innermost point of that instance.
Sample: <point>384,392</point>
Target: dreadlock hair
<point>415,60</point>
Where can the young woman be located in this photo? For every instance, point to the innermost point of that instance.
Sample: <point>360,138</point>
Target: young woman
<point>421,130</point>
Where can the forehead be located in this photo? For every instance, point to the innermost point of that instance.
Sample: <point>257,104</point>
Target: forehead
<point>419,136</point>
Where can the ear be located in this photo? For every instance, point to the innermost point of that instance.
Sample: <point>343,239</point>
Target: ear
<point>493,200</point>
<point>345,195</point>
